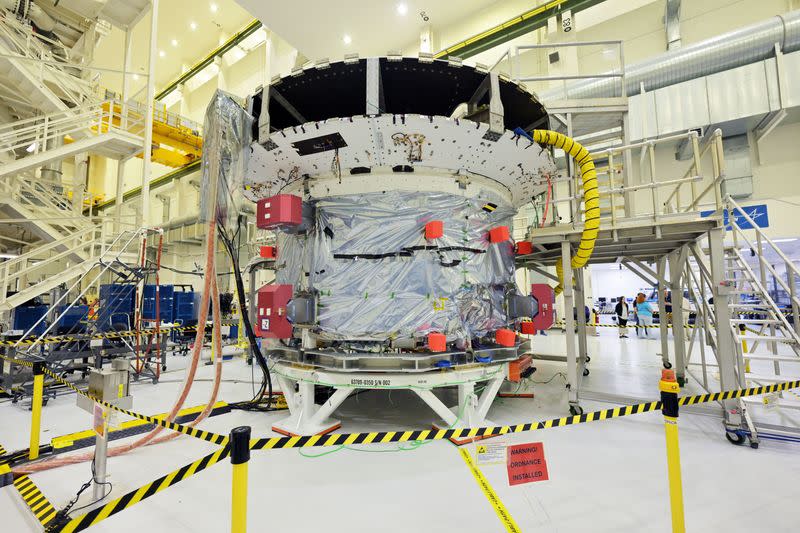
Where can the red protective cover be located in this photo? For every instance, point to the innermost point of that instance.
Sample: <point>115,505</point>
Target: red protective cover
<point>527,328</point>
<point>524,248</point>
<point>271,322</point>
<point>543,293</point>
<point>499,234</point>
<point>437,342</point>
<point>279,211</point>
<point>505,337</point>
<point>434,229</point>
<point>268,252</point>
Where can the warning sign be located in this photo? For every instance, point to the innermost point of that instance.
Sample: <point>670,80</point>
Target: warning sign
<point>526,463</point>
<point>491,453</point>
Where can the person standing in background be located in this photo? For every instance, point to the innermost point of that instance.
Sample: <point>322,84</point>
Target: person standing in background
<point>622,310</point>
<point>644,311</point>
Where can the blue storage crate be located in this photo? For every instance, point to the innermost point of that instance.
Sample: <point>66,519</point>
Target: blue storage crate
<point>74,320</point>
<point>26,316</point>
<point>117,303</point>
<point>185,307</point>
<point>166,294</point>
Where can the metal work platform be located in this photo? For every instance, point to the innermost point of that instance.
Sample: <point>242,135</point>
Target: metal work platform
<point>635,237</point>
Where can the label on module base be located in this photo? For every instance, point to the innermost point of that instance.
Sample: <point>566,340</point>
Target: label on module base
<point>490,452</point>
<point>526,463</point>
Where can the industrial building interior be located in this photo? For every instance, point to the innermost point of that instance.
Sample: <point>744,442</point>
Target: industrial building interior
<point>535,260</point>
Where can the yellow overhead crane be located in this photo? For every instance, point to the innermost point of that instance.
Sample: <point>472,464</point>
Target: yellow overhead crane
<point>175,142</point>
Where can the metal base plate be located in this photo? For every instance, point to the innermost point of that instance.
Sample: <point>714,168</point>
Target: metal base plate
<point>406,362</point>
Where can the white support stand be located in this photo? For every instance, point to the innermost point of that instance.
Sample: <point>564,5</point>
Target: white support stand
<point>471,409</point>
<point>308,418</point>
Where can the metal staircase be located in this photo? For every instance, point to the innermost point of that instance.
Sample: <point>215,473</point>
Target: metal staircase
<point>30,199</point>
<point>104,128</point>
<point>36,72</point>
<point>768,330</point>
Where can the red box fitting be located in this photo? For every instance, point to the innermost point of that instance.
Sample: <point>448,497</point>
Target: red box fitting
<point>434,229</point>
<point>545,297</point>
<point>524,248</point>
<point>527,328</point>
<point>505,337</point>
<point>271,321</point>
<point>268,252</point>
<point>499,234</point>
<point>279,211</point>
<point>437,342</point>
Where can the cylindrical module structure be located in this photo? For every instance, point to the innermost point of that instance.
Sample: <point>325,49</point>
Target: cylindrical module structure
<point>380,282</point>
<point>391,185</point>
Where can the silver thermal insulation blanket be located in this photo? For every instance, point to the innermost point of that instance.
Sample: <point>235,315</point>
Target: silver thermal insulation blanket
<point>378,278</point>
<point>226,147</point>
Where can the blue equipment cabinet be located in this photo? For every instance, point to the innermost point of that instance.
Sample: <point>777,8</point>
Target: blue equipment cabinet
<point>185,306</point>
<point>25,316</point>
<point>166,295</point>
<point>74,321</point>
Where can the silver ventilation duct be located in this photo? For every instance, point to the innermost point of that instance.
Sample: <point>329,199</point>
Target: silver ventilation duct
<point>723,52</point>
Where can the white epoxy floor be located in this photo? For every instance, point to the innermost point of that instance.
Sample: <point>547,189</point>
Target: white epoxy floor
<point>604,476</point>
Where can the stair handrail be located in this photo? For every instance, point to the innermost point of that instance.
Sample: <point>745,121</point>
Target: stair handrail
<point>56,203</point>
<point>98,261</point>
<point>96,119</point>
<point>20,38</point>
<point>764,294</point>
<point>36,252</point>
<point>757,229</point>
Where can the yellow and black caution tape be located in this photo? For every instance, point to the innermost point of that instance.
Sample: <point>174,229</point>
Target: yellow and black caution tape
<point>502,513</point>
<point>79,523</point>
<point>335,439</point>
<point>186,430</point>
<point>629,325</point>
<point>2,450</point>
<point>57,339</point>
<point>127,428</point>
<point>131,498</point>
<point>39,505</point>
<point>740,393</point>
<point>15,361</point>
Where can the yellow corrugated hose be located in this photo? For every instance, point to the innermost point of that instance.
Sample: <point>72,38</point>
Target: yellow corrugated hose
<point>591,198</point>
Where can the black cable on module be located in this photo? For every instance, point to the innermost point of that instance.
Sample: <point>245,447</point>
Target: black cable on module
<point>266,383</point>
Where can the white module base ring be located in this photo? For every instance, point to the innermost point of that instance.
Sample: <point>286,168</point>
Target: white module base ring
<point>308,418</point>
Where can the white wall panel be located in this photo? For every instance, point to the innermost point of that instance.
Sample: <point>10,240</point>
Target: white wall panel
<point>736,93</point>
<point>792,74</point>
<point>682,106</point>
<point>642,116</point>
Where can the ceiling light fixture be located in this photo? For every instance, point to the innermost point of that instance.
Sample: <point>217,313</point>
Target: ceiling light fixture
<point>783,240</point>
<point>213,7</point>
<point>402,9</point>
<point>192,26</point>
<point>174,42</point>
<point>347,39</point>
<point>135,77</point>
<point>161,53</point>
